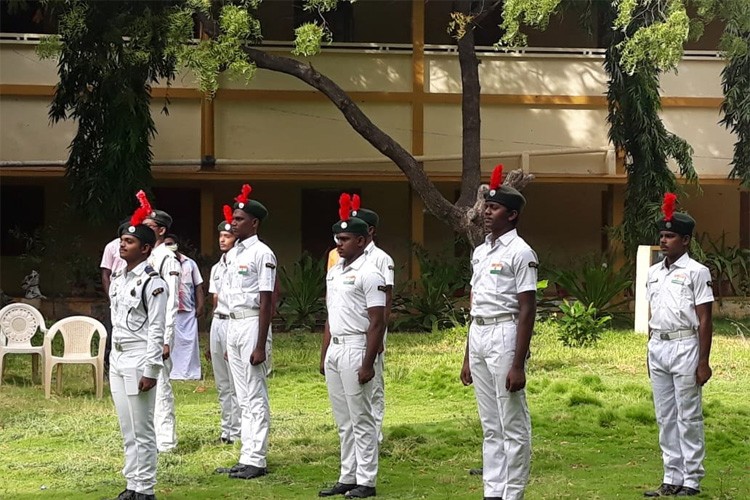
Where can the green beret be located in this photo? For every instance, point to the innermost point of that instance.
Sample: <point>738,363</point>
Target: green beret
<point>681,223</point>
<point>141,231</point>
<point>254,208</point>
<point>224,226</point>
<point>353,225</point>
<point>507,196</point>
<point>161,218</point>
<point>368,216</point>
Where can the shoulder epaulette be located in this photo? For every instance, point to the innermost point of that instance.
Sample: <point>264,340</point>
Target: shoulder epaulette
<point>150,271</point>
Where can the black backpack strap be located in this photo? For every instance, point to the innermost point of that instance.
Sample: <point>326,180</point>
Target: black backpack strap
<point>151,273</point>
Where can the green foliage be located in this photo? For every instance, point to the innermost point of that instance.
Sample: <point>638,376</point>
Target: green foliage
<point>729,265</point>
<point>581,326</point>
<point>595,282</point>
<point>534,13</point>
<point>431,303</point>
<point>303,293</point>
<point>308,39</point>
<point>104,85</point>
<point>735,79</point>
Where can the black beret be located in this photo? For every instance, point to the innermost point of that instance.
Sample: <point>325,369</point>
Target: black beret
<point>368,216</point>
<point>507,196</point>
<point>681,223</point>
<point>254,208</point>
<point>161,218</point>
<point>353,225</point>
<point>141,231</point>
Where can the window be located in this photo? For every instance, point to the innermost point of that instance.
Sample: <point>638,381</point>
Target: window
<point>184,205</point>
<point>21,209</point>
<point>27,17</point>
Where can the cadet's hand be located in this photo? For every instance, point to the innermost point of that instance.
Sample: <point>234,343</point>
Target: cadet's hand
<point>207,354</point>
<point>146,384</point>
<point>165,353</point>
<point>466,378</point>
<point>226,356</point>
<point>258,356</point>
<point>199,312</point>
<point>365,374</point>
<point>516,379</point>
<point>322,368</point>
<point>703,373</point>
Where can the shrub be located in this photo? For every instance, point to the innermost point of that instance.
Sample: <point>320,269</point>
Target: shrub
<point>303,294</point>
<point>580,326</point>
<point>595,282</point>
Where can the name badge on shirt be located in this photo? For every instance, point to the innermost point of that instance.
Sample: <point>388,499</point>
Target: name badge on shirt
<point>242,270</point>
<point>496,267</point>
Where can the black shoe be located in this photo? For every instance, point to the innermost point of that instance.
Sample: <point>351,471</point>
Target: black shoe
<point>336,489</point>
<point>476,472</point>
<point>228,470</point>
<point>143,496</point>
<point>249,472</point>
<point>226,440</point>
<point>361,492</point>
<point>686,491</point>
<point>665,490</point>
<point>126,495</point>
<point>493,498</point>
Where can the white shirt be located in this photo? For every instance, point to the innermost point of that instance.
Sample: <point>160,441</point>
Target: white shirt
<point>501,271</point>
<point>382,261</point>
<point>111,257</point>
<point>350,292</point>
<point>164,261</point>
<point>673,294</point>
<point>217,283</point>
<point>134,321</point>
<point>189,279</point>
<point>251,269</point>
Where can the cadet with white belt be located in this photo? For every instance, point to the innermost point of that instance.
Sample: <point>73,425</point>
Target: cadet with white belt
<point>138,303</point>
<point>165,262</point>
<point>251,276</point>
<point>217,352</point>
<point>680,328</point>
<point>353,335</point>
<point>503,307</point>
<point>384,263</point>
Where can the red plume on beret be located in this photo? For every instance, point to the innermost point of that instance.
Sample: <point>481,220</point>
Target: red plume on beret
<point>497,177</point>
<point>244,195</point>
<point>345,206</point>
<point>141,213</point>
<point>668,206</point>
<point>356,203</point>
<point>228,214</point>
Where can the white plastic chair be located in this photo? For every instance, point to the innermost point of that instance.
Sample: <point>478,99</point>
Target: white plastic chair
<point>77,332</point>
<point>19,322</point>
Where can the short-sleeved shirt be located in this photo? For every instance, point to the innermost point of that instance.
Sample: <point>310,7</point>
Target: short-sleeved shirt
<point>138,306</point>
<point>190,278</point>
<point>251,269</point>
<point>674,292</point>
<point>382,261</point>
<point>351,290</point>
<point>164,261</point>
<point>111,257</point>
<point>217,283</point>
<point>500,271</point>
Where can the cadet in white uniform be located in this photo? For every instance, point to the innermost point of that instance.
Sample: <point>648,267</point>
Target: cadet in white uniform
<point>680,297</point>
<point>165,262</point>
<point>384,263</point>
<point>353,335</point>
<point>503,307</point>
<point>138,302</point>
<point>251,275</point>
<point>217,354</point>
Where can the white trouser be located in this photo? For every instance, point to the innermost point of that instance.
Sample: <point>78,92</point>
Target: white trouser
<point>679,414</point>
<point>164,417</point>
<point>506,423</point>
<point>378,392</point>
<point>250,383</point>
<point>186,359</point>
<point>230,408</point>
<point>352,410</point>
<point>135,411</point>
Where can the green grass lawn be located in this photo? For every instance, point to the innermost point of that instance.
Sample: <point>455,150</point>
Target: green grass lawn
<point>594,433</point>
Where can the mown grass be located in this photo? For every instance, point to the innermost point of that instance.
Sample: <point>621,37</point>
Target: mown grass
<point>594,433</point>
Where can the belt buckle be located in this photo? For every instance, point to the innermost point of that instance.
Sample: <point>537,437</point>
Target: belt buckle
<point>479,321</point>
<point>664,336</point>
<point>231,316</point>
<point>335,340</point>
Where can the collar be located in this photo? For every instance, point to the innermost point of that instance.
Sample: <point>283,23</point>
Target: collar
<point>247,242</point>
<point>354,265</point>
<point>370,247</point>
<point>139,269</point>
<point>505,239</point>
<point>681,262</point>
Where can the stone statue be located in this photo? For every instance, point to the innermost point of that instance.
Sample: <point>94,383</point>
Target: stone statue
<point>31,285</point>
